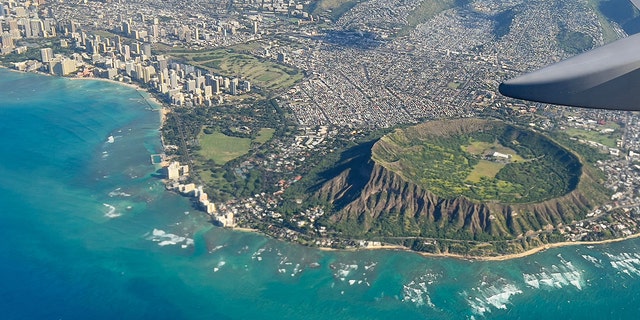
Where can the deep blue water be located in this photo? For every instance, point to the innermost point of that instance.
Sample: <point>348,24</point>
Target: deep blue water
<point>87,231</point>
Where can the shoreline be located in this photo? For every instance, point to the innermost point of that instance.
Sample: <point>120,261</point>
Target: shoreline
<point>505,257</point>
<point>149,98</point>
<point>164,110</point>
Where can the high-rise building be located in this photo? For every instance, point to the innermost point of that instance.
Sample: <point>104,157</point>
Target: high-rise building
<point>126,28</point>
<point>162,63</point>
<point>126,54</point>
<point>64,67</point>
<point>147,73</point>
<point>37,28</point>
<point>191,86</point>
<point>138,71</point>
<point>225,84</point>
<point>208,92</point>
<point>146,49</point>
<point>255,27</point>
<point>46,55</point>
<point>128,67</point>
<point>200,82</point>
<point>74,26</point>
<point>233,88</point>
<point>7,43</point>
<point>173,79</point>
<point>215,87</point>
<point>155,32</point>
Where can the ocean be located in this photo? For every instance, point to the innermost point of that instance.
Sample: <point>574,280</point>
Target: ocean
<point>88,232</point>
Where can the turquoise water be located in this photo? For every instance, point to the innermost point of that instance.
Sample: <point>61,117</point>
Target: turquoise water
<point>88,232</point>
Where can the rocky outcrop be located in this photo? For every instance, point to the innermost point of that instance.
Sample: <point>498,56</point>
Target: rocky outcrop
<point>369,199</point>
<point>388,197</point>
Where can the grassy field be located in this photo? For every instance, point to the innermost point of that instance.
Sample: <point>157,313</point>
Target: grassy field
<point>485,168</point>
<point>449,164</point>
<point>336,7</point>
<point>264,73</point>
<point>608,140</point>
<point>453,85</point>
<point>425,11</point>
<point>221,148</point>
<point>264,135</point>
<point>480,147</point>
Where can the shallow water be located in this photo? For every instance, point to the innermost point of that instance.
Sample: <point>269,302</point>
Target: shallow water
<point>88,231</point>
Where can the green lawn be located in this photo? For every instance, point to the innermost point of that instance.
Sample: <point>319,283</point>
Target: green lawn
<point>221,148</point>
<point>264,135</point>
<point>608,139</point>
<point>484,168</point>
<point>481,147</point>
<point>265,73</point>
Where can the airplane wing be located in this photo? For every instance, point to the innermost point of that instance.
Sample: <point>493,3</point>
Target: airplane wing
<point>604,78</point>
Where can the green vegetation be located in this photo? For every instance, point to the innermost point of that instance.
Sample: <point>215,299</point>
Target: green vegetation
<point>607,139</point>
<point>33,51</point>
<point>264,135</point>
<point>574,42</point>
<point>427,10</point>
<point>453,85</point>
<point>266,74</point>
<point>621,12</point>
<point>484,169</point>
<point>484,148</point>
<point>218,140</point>
<point>454,163</point>
<point>335,8</point>
<point>221,148</point>
<point>503,22</point>
<point>588,153</point>
<point>609,34</point>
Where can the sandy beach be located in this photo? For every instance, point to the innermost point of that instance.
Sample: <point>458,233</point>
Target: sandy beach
<point>507,256</point>
<point>164,111</point>
<point>487,258</point>
<point>460,256</point>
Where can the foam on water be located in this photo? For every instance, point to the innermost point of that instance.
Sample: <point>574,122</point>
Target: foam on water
<point>111,212</point>
<point>557,276</point>
<point>78,264</point>
<point>219,265</point>
<point>165,239</point>
<point>417,291</point>
<point>494,294</point>
<point>596,262</point>
<point>353,273</point>
<point>118,193</point>
<point>626,263</point>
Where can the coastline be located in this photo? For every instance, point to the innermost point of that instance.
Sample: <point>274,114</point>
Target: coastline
<point>497,258</point>
<point>150,98</point>
<point>505,257</point>
<point>164,110</point>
